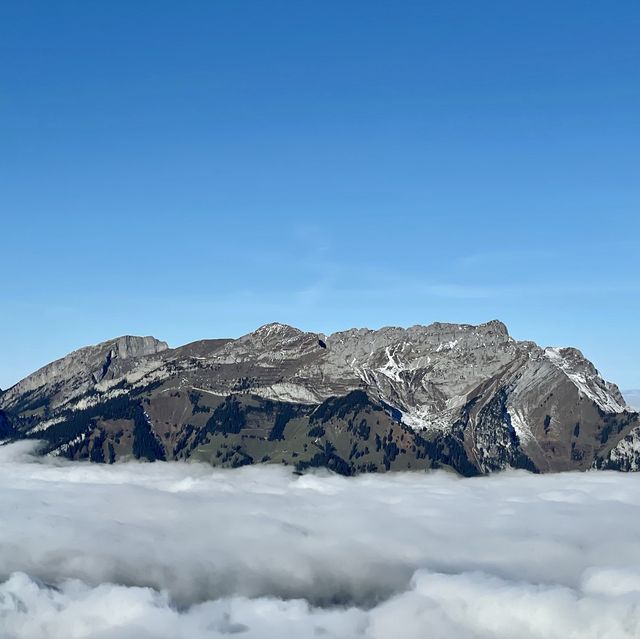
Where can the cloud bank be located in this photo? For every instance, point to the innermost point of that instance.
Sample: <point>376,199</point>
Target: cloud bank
<point>183,550</point>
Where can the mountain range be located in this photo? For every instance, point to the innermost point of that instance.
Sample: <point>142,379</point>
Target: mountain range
<point>467,398</point>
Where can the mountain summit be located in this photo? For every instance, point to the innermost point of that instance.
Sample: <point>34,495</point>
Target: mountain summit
<point>469,398</point>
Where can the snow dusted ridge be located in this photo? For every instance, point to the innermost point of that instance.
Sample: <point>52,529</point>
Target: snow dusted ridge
<point>425,372</point>
<point>501,400</point>
<point>587,379</point>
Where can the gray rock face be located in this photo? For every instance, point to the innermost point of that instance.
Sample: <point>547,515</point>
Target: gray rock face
<point>71,377</point>
<point>469,397</point>
<point>625,455</point>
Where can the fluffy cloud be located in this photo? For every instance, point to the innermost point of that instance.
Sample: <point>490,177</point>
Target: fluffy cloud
<point>177,550</point>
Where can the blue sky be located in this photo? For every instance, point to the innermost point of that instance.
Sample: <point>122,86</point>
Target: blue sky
<point>196,169</point>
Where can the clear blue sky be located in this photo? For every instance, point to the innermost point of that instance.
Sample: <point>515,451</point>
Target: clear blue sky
<point>196,169</point>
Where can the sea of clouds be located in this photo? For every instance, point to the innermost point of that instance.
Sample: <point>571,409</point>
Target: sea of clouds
<point>186,551</point>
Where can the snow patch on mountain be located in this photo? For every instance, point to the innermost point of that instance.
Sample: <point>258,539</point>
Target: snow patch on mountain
<point>586,378</point>
<point>520,425</point>
<point>392,368</point>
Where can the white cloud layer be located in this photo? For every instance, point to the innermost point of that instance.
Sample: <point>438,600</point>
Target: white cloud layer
<point>186,551</point>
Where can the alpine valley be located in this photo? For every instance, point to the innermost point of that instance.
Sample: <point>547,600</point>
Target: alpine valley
<point>467,398</point>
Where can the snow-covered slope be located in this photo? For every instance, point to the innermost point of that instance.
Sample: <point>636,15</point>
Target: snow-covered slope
<point>587,379</point>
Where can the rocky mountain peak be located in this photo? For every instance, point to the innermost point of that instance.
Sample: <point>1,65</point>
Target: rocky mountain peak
<point>495,326</point>
<point>80,370</point>
<point>274,332</point>
<point>134,346</point>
